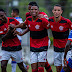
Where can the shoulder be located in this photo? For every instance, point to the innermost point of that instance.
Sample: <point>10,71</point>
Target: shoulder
<point>51,19</point>
<point>66,20</point>
<point>29,18</point>
<point>11,19</point>
<point>28,14</point>
<point>44,20</point>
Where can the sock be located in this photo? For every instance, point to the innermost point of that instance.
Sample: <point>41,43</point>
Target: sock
<point>48,67</point>
<point>40,69</point>
<point>13,64</point>
<point>34,70</point>
<point>62,70</point>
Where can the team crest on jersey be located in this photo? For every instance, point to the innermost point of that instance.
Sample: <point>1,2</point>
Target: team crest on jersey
<point>37,26</point>
<point>51,26</point>
<point>61,28</point>
<point>29,25</point>
<point>5,29</point>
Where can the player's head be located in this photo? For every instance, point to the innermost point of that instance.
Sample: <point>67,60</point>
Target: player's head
<point>34,11</point>
<point>57,10</point>
<point>30,4</point>
<point>3,17</point>
<point>15,12</point>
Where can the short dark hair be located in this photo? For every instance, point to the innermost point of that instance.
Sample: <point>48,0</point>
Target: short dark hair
<point>35,5</point>
<point>31,3</point>
<point>16,10</point>
<point>2,10</point>
<point>58,5</point>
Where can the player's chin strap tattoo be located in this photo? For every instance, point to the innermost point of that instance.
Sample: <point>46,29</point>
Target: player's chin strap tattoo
<point>8,34</point>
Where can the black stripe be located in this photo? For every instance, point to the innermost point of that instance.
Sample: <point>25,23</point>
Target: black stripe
<point>44,48</point>
<point>30,19</point>
<point>10,20</point>
<point>39,20</point>
<point>60,35</point>
<point>51,20</point>
<point>63,21</point>
<point>56,49</point>
<point>14,48</point>
<point>38,34</point>
<point>28,15</point>
<point>1,24</point>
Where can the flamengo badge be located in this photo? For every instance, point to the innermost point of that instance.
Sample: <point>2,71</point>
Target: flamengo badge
<point>37,26</point>
<point>61,28</point>
<point>29,25</point>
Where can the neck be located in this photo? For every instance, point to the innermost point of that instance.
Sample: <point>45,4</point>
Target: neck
<point>57,19</point>
<point>17,16</point>
<point>34,18</point>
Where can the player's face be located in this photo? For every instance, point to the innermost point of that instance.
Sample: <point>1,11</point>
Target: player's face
<point>12,14</point>
<point>34,11</point>
<point>29,7</point>
<point>57,11</point>
<point>3,17</point>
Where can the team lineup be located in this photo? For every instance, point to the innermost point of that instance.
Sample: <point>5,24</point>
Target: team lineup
<point>38,23</point>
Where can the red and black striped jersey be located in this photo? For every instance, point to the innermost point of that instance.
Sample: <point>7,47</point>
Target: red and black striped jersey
<point>60,31</point>
<point>12,43</point>
<point>38,33</point>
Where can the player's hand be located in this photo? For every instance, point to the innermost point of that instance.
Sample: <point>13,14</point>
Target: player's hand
<point>40,16</point>
<point>65,62</point>
<point>11,26</point>
<point>17,33</point>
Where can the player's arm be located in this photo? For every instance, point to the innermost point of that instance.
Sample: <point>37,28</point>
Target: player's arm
<point>22,25</point>
<point>21,33</point>
<point>66,50</point>
<point>7,35</point>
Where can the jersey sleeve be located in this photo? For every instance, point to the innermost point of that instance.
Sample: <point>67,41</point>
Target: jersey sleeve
<point>46,23</point>
<point>70,36</point>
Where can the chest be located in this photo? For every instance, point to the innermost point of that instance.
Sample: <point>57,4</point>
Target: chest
<point>59,27</point>
<point>35,26</point>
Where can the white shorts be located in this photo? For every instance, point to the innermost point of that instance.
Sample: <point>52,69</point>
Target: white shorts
<point>17,55</point>
<point>58,58</point>
<point>38,57</point>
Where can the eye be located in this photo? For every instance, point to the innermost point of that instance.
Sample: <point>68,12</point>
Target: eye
<point>31,9</point>
<point>55,10</point>
<point>35,9</point>
<point>58,10</point>
<point>1,15</point>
